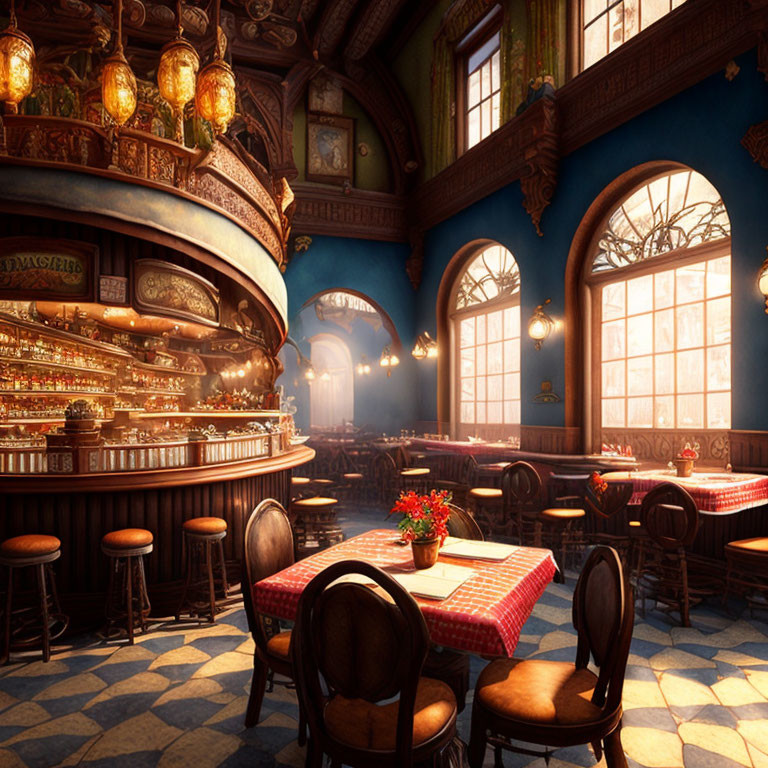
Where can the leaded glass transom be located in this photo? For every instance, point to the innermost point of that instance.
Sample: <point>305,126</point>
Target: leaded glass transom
<point>679,210</point>
<point>493,274</point>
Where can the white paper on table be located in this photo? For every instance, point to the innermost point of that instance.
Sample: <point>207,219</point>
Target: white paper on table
<point>477,550</point>
<point>432,587</point>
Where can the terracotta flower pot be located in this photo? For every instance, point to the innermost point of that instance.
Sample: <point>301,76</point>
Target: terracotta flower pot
<point>425,552</point>
<point>684,467</point>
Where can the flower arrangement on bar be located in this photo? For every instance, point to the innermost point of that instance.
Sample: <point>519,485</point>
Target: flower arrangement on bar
<point>424,523</point>
<point>685,459</point>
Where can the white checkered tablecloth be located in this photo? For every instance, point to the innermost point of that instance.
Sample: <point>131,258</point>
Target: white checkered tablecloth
<point>715,493</point>
<point>484,615</point>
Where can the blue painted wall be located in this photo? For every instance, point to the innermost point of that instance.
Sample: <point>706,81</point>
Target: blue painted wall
<point>376,270</point>
<point>702,128</point>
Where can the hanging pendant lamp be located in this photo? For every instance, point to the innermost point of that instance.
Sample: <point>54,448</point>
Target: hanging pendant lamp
<point>118,83</point>
<point>17,64</point>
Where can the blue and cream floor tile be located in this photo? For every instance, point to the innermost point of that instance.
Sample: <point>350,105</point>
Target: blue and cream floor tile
<point>717,740</point>
<point>653,748</point>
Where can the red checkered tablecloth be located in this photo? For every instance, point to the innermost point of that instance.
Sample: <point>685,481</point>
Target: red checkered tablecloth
<point>715,493</point>
<point>484,615</point>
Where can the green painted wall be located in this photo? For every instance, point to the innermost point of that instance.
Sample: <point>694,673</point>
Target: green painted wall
<point>372,171</point>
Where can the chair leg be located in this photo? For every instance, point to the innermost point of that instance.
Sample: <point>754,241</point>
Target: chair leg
<point>256,696</point>
<point>314,757</point>
<point>614,752</point>
<point>302,740</point>
<point>43,594</point>
<point>477,740</point>
<point>684,597</point>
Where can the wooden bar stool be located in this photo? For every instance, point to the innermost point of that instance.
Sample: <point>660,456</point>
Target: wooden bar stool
<point>129,602</point>
<point>316,525</point>
<point>748,571</point>
<point>30,626</point>
<point>560,534</point>
<point>415,479</point>
<point>201,536</point>
<point>299,486</point>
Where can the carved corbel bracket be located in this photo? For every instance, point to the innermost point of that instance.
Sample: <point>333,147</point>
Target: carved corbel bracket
<point>542,157</point>
<point>755,141</point>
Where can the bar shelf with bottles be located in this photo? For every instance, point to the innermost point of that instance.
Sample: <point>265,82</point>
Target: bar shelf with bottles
<point>79,397</point>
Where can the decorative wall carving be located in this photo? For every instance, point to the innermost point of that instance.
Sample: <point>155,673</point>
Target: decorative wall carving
<point>549,439</point>
<point>755,141</point>
<point>663,444</point>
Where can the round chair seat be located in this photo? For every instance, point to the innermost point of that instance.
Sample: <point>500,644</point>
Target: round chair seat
<point>756,546</point>
<point>415,472</point>
<point>301,480</point>
<point>29,546</point>
<point>315,501</point>
<point>205,526</point>
<point>564,513</point>
<point>486,493</point>
<point>128,541</point>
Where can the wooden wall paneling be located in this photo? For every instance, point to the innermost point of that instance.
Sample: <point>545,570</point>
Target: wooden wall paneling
<point>749,450</point>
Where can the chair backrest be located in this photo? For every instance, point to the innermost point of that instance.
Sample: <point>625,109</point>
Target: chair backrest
<point>670,517</point>
<point>267,549</point>
<point>383,471</point>
<point>611,501</point>
<point>350,641</point>
<point>520,483</point>
<point>463,525</point>
<point>603,615</point>
<point>468,470</point>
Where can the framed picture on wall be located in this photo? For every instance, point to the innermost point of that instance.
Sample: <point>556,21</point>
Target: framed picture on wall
<point>330,148</point>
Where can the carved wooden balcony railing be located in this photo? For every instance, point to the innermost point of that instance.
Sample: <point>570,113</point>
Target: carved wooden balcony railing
<point>219,179</point>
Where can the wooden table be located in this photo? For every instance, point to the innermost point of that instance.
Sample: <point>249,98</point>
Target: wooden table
<point>484,615</point>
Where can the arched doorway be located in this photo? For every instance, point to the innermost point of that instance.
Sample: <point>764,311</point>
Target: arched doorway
<point>332,401</point>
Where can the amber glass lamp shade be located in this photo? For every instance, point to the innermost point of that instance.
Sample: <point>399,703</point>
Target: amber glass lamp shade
<point>17,66</point>
<point>118,88</point>
<point>215,98</point>
<point>177,73</point>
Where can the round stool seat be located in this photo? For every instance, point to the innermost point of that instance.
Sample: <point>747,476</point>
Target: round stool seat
<point>315,501</point>
<point>127,541</point>
<point>414,472</point>
<point>352,476</point>
<point>205,526</point>
<point>31,545</point>
<point>756,546</point>
<point>486,493</point>
<point>322,481</point>
<point>635,524</point>
<point>564,513</point>
<point>301,480</point>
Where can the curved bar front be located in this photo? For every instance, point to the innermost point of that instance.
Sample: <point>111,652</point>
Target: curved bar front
<point>80,509</point>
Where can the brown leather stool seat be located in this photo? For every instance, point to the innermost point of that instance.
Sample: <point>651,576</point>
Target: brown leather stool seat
<point>32,545</point>
<point>128,603</point>
<point>415,472</point>
<point>352,476</point>
<point>486,494</point>
<point>205,526</point>
<point>203,543</point>
<point>301,481</point>
<point>564,513</point>
<point>30,625</point>
<point>747,570</point>
<point>127,539</point>
<point>321,481</point>
<point>316,502</point>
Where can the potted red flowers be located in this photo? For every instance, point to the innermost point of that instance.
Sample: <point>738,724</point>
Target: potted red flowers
<point>685,459</point>
<point>423,523</point>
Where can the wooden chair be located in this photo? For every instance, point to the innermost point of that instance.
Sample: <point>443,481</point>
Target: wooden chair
<point>748,571</point>
<point>384,476</point>
<point>670,519</point>
<point>607,511</point>
<point>463,471</point>
<point>462,525</point>
<point>268,548</point>
<point>557,703</point>
<point>353,649</point>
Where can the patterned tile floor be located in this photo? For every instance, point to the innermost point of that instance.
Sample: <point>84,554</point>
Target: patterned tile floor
<point>693,697</point>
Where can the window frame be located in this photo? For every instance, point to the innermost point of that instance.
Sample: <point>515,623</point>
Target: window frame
<point>475,39</point>
<point>594,282</point>
<point>500,430</point>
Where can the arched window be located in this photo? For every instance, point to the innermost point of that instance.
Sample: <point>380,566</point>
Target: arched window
<point>485,322</point>
<point>332,389</point>
<point>659,287</point>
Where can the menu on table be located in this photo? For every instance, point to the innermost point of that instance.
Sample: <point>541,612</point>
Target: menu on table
<point>476,550</point>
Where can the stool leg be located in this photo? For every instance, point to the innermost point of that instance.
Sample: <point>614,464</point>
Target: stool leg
<point>43,594</point>
<point>7,622</point>
<point>129,595</point>
<point>54,590</point>
<point>223,568</point>
<point>144,606</point>
<point>187,559</point>
<point>211,588</point>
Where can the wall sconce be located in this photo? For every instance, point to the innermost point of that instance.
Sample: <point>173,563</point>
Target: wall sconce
<point>325,376</point>
<point>388,359</point>
<point>363,367</point>
<point>540,325</point>
<point>425,347</point>
<point>762,281</point>
<point>309,373</point>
